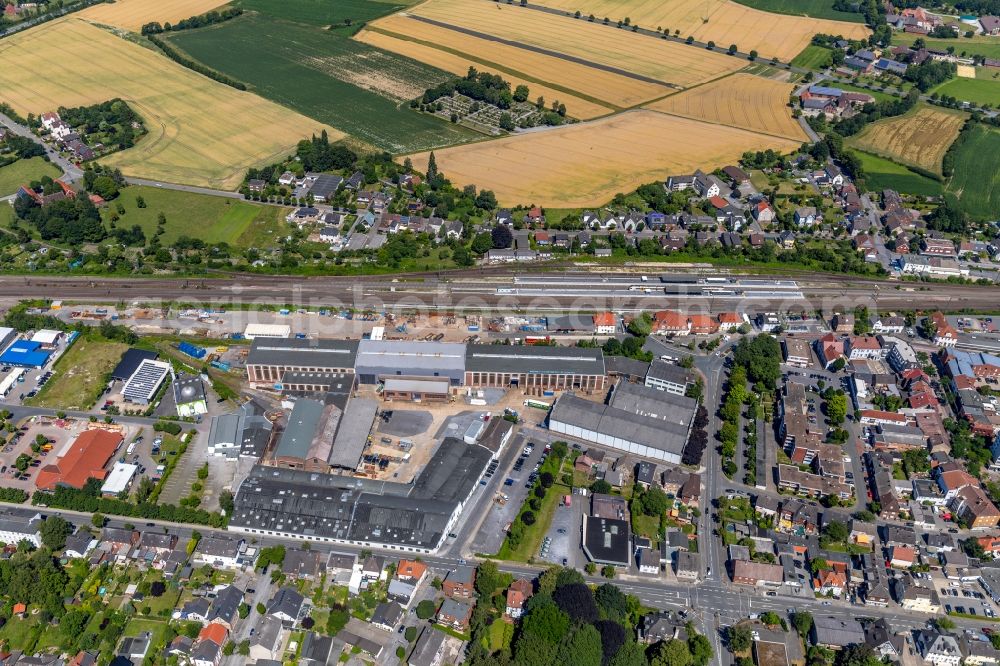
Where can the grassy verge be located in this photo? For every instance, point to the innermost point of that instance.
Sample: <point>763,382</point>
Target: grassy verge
<point>80,375</point>
<point>527,546</point>
<point>813,57</point>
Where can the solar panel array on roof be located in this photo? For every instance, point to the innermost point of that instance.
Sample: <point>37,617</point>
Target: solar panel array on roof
<point>145,381</point>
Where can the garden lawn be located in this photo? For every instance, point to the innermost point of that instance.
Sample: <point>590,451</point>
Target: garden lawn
<point>22,172</point>
<point>209,218</point>
<point>813,57</point>
<point>883,174</point>
<point>21,634</point>
<point>80,375</point>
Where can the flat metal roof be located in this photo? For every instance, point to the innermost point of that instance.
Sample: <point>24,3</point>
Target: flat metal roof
<point>530,359</point>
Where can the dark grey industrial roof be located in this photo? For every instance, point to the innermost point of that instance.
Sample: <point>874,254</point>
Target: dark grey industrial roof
<point>606,540</point>
<point>452,472</point>
<point>311,353</point>
<point>375,355</point>
<point>573,322</point>
<point>534,360</point>
<point>352,433</point>
<point>656,433</point>
<point>340,507</point>
<point>668,372</point>
<point>130,362</point>
<point>622,365</point>
<point>306,433</point>
<point>255,430</point>
<point>325,185</point>
<point>676,410</point>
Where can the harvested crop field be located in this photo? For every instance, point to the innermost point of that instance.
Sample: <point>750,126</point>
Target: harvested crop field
<point>586,164</point>
<point>669,62</point>
<point>921,137</point>
<point>576,107</point>
<point>431,44</point>
<point>328,76</point>
<point>722,21</point>
<point>740,100</point>
<point>200,132</point>
<point>133,14</point>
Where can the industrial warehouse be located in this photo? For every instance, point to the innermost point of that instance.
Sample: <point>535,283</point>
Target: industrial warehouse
<point>287,365</point>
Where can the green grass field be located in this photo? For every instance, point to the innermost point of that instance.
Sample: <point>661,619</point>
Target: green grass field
<point>813,57</point>
<point>881,173</point>
<point>978,91</point>
<point>323,12</point>
<point>212,219</point>
<point>822,9</point>
<point>984,46</point>
<point>976,182</point>
<point>23,172</point>
<point>328,76</point>
<point>79,375</point>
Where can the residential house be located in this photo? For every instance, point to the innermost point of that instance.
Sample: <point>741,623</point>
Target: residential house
<point>835,633</point>
<point>387,616</point>
<point>460,582</point>
<point>517,596</point>
<point>286,606</point>
<point>938,648</point>
<point>455,614</point>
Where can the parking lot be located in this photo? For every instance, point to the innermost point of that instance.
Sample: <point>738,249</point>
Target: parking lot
<point>564,534</point>
<point>492,532</point>
<point>965,599</point>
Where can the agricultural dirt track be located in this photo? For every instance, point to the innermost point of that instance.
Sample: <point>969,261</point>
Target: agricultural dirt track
<point>588,163</point>
<point>668,62</point>
<point>440,46</point>
<point>722,21</point>
<point>920,137</point>
<point>741,100</point>
<point>200,132</point>
<point>133,14</point>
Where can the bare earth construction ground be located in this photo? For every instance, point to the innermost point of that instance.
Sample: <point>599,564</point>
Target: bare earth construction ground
<point>588,163</point>
<point>200,132</point>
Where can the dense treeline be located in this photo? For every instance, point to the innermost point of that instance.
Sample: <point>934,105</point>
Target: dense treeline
<point>480,86</point>
<point>869,113</point>
<point>930,73</point>
<point>198,21</point>
<point>15,495</point>
<point>114,118</point>
<point>89,500</point>
<point>72,221</point>
<point>36,579</point>
<point>318,154</point>
<point>194,65</point>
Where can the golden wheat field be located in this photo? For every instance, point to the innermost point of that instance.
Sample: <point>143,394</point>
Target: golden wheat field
<point>741,100</point>
<point>133,14</point>
<point>921,137</point>
<point>446,48</point>
<point>722,21</point>
<point>669,62</point>
<point>200,132</point>
<point>586,164</point>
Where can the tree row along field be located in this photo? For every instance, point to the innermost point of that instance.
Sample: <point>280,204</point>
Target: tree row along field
<point>133,14</point>
<point>440,43</point>
<point>583,165</point>
<point>772,35</point>
<point>676,64</point>
<point>200,132</point>
<point>576,107</point>
<point>920,137</point>
<point>741,100</point>
<point>328,76</point>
